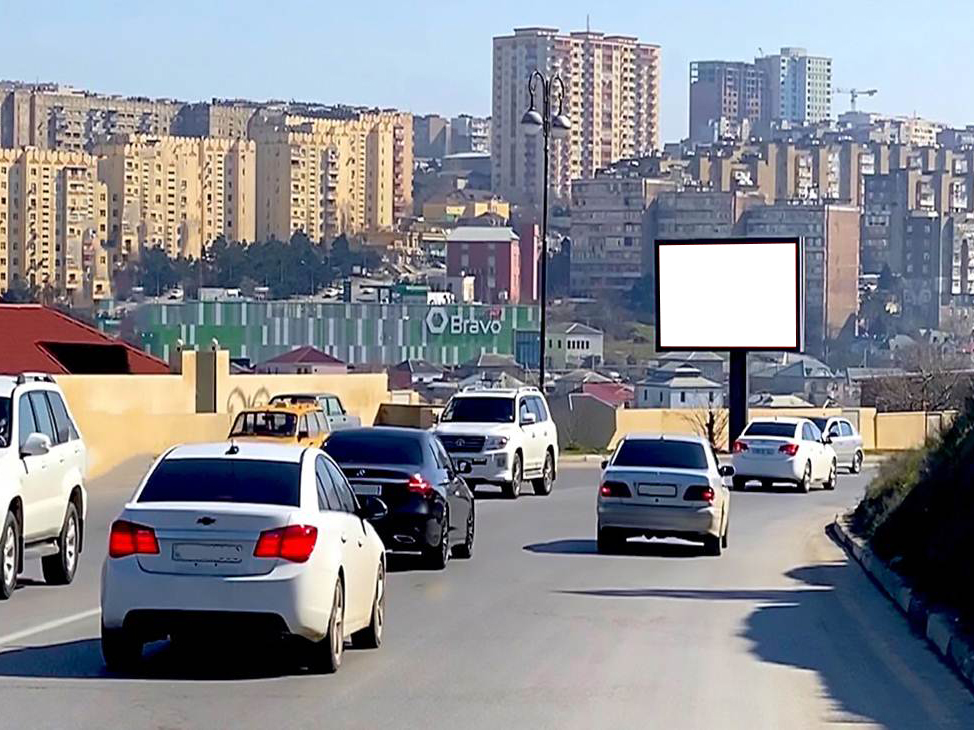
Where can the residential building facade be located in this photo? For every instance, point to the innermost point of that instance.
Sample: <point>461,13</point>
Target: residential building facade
<point>492,254</point>
<point>684,388</point>
<point>724,90</point>
<point>799,86</point>
<point>574,345</point>
<point>227,118</point>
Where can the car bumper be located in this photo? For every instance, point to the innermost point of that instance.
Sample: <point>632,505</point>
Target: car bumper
<point>409,531</point>
<point>301,601</point>
<point>756,468</point>
<point>488,467</point>
<point>664,521</point>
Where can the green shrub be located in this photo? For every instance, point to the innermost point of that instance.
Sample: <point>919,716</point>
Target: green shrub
<point>896,478</point>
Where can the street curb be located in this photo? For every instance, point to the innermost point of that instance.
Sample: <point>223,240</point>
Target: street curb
<point>938,627</point>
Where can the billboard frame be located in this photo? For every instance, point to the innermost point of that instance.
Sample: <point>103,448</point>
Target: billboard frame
<point>799,244</point>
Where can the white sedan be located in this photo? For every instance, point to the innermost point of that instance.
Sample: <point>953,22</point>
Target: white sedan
<point>784,450</point>
<point>247,538</point>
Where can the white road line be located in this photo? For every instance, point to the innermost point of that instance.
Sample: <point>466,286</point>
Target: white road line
<point>48,626</point>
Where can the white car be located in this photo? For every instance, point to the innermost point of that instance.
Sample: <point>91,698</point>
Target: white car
<point>845,440</point>
<point>784,450</point>
<point>505,435</point>
<point>43,502</point>
<point>246,538</point>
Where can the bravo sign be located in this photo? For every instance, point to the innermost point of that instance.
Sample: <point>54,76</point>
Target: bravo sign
<point>438,322</point>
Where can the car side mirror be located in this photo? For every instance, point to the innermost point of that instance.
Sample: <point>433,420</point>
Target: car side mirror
<point>528,419</point>
<point>605,463</point>
<point>726,470</point>
<point>371,508</point>
<point>464,467</point>
<point>37,444</point>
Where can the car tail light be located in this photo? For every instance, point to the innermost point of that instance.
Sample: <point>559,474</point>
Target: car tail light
<point>615,489</point>
<point>739,446</point>
<point>418,485</point>
<point>700,493</point>
<point>128,538</point>
<point>294,543</point>
<point>790,449</point>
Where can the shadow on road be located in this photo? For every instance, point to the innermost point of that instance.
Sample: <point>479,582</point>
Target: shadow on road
<point>866,667</point>
<point>780,488</point>
<point>650,548</point>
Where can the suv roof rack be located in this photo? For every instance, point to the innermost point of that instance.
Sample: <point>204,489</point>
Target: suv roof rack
<point>35,377</point>
<point>488,385</point>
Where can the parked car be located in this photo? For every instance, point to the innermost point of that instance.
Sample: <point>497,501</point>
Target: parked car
<point>845,440</point>
<point>784,450</point>
<point>507,436</point>
<point>250,538</point>
<point>42,481</point>
<point>430,507</point>
<point>303,425</point>
<point>663,486</point>
<point>336,417</point>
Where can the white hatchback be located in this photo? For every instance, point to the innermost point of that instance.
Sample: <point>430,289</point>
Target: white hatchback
<point>246,538</point>
<point>784,450</point>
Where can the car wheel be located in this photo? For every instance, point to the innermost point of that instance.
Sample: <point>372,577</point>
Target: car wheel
<point>713,546</point>
<point>438,555</point>
<point>328,652</point>
<point>9,550</point>
<point>59,569</point>
<point>609,541</point>
<point>371,636</point>
<point>833,475</point>
<point>856,463</point>
<point>513,488</point>
<point>466,549</point>
<point>543,485</point>
<point>806,481</point>
<point>121,649</point>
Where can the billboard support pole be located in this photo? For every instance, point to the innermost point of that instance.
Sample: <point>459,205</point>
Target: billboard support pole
<point>737,421</point>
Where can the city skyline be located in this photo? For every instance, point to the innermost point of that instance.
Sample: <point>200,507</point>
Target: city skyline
<point>401,66</point>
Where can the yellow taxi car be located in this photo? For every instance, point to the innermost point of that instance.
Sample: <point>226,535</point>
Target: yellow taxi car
<point>304,425</point>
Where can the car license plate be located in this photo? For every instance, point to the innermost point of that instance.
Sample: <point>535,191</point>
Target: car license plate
<point>764,452</point>
<point>656,490</point>
<point>367,490</point>
<point>194,552</point>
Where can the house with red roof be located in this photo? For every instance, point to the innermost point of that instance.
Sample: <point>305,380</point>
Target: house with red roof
<point>305,360</point>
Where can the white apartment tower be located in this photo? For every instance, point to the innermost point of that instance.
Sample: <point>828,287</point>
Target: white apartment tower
<point>799,86</point>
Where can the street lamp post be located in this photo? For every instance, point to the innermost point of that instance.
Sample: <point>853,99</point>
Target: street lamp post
<point>549,124</point>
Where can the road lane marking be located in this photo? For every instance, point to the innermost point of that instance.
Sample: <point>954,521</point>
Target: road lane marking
<point>48,626</point>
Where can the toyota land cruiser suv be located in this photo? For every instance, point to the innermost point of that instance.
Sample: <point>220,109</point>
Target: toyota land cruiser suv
<point>506,436</point>
<point>42,493</point>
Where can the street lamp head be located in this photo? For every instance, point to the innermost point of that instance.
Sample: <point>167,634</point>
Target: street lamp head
<point>532,121</point>
<point>561,125</point>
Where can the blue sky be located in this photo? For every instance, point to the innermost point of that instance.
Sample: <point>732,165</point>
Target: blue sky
<point>435,56</point>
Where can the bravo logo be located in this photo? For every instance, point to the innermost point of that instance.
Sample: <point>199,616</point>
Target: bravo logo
<point>438,322</point>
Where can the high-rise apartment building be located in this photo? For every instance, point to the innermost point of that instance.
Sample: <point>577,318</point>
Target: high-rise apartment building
<point>436,137</point>
<point>178,193</point>
<point>799,86</point>
<point>53,222</point>
<point>331,171</point>
<point>229,118</point>
<point>611,86</point>
<point>724,91</point>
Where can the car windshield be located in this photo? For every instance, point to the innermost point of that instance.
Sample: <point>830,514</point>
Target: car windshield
<point>265,423</point>
<point>766,428</point>
<point>292,399</point>
<point>661,454</point>
<point>375,447</point>
<point>6,417</point>
<point>249,481</point>
<point>479,410</point>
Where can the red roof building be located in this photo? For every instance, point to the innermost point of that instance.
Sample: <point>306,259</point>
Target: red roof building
<point>615,394</point>
<point>34,338</point>
<point>305,360</point>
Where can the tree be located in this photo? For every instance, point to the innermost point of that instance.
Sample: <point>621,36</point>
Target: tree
<point>642,299</point>
<point>20,292</point>
<point>934,380</point>
<point>156,272</point>
<point>711,423</point>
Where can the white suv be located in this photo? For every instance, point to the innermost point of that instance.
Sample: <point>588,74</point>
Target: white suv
<point>506,436</point>
<point>42,493</point>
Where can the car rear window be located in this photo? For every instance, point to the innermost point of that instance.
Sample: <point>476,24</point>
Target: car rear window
<point>264,423</point>
<point>250,481</point>
<point>783,430</point>
<point>375,448</point>
<point>661,454</point>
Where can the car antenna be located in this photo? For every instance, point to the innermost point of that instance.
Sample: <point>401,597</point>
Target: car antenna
<point>234,449</point>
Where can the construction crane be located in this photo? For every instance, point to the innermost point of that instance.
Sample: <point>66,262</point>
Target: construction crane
<point>856,93</point>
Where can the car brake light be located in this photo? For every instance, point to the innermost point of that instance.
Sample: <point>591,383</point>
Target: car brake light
<point>615,489</point>
<point>739,446</point>
<point>790,449</point>
<point>128,538</point>
<point>294,543</point>
<point>418,485</point>
<point>699,494</point>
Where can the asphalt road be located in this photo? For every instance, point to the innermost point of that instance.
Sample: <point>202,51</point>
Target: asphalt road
<point>537,631</point>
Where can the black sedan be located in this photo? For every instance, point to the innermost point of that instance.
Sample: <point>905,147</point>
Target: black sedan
<point>431,508</point>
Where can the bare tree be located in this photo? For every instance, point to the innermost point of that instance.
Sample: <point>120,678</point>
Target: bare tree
<point>933,380</point>
<point>711,423</point>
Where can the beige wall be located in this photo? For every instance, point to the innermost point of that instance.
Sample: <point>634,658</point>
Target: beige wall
<point>899,431</point>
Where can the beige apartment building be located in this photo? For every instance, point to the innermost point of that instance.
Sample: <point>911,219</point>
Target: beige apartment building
<point>611,96</point>
<point>178,193</point>
<point>53,222</point>
<point>339,171</point>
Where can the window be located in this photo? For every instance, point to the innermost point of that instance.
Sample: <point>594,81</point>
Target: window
<point>540,408</point>
<point>311,425</point>
<point>479,409</point>
<point>770,428</point>
<point>62,421</point>
<point>345,497</point>
<point>523,410</point>
<point>845,428</point>
<point>250,481</point>
<point>26,425</point>
<point>327,495</point>
<point>42,415</point>
<point>375,447</point>
<point>683,396</point>
<point>264,423</point>
<point>334,407</point>
<point>660,454</point>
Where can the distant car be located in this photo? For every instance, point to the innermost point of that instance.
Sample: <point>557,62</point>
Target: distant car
<point>430,507</point>
<point>845,440</point>
<point>336,417</point>
<point>303,425</point>
<point>663,486</point>
<point>784,450</point>
<point>250,539</point>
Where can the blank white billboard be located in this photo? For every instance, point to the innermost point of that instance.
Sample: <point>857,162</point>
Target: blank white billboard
<point>729,294</point>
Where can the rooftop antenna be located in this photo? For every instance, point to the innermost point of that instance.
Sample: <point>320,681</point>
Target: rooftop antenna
<point>233,450</point>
